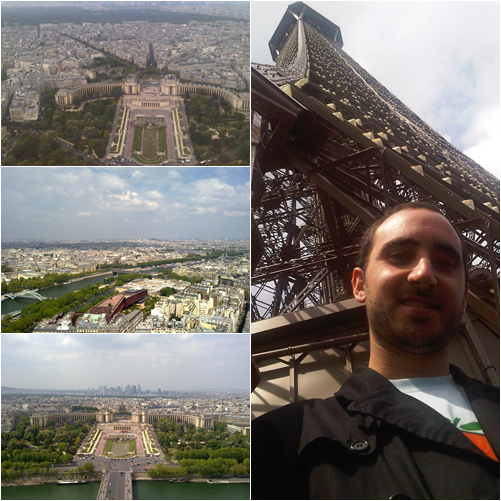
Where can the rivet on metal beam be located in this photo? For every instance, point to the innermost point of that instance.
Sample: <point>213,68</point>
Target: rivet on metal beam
<point>469,203</point>
<point>418,169</point>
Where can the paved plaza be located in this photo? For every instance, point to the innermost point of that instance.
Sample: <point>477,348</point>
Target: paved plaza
<point>109,432</point>
<point>151,113</point>
<point>120,449</point>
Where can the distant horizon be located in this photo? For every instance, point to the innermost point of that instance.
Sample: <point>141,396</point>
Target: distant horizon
<point>181,361</point>
<point>125,203</point>
<point>122,239</point>
<point>152,392</point>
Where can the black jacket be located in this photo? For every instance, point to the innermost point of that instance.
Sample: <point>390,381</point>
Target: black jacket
<point>371,441</point>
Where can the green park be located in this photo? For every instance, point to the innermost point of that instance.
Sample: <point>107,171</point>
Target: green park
<point>29,451</point>
<point>63,137</point>
<point>220,135</point>
<point>150,142</point>
<point>198,452</point>
<point>119,447</point>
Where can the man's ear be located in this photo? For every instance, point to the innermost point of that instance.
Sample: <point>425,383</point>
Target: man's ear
<point>358,284</point>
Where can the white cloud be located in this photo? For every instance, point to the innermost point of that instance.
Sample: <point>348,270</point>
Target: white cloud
<point>158,195</point>
<point>111,181</point>
<point>235,213</point>
<point>126,196</point>
<point>154,194</point>
<point>62,357</point>
<point>205,210</point>
<point>69,341</point>
<point>442,59</point>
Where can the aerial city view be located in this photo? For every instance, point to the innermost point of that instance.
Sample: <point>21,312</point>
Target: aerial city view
<point>125,83</point>
<point>123,249</point>
<point>96,417</point>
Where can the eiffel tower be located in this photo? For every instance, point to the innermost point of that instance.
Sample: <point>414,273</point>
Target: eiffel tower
<point>332,149</point>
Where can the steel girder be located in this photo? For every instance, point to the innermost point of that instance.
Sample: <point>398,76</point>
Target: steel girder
<point>335,149</point>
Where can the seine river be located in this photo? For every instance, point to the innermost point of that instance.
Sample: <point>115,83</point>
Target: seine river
<point>56,291</point>
<point>10,305</point>
<point>141,490</point>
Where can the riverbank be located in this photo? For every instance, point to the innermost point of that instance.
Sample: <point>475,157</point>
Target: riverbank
<point>53,292</point>
<point>30,482</point>
<point>89,276</point>
<point>136,478</point>
<point>162,491</point>
<point>204,480</point>
<point>72,280</point>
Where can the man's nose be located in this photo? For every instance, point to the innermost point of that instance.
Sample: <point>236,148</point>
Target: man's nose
<point>422,275</point>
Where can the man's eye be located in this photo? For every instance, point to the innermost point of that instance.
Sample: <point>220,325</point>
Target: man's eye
<point>398,257</point>
<point>446,264</point>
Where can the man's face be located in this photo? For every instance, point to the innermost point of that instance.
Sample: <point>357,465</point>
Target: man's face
<point>414,285</point>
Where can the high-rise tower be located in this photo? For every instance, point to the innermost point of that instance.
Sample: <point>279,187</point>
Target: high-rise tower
<point>332,149</point>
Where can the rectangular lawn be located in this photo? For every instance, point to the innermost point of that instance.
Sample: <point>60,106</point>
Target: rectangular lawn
<point>138,135</point>
<point>108,446</point>
<point>150,143</point>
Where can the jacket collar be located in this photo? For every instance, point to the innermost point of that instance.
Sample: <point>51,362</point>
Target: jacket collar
<point>367,399</point>
<point>484,401</point>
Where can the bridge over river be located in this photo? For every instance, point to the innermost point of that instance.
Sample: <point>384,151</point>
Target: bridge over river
<point>116,485</point>
<point>31,294</point>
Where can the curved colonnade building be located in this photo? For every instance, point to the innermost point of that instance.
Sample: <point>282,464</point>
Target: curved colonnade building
<point>200,421</point>
<point>42,419</point>
<point>168,87</point>
<point>138,417</point>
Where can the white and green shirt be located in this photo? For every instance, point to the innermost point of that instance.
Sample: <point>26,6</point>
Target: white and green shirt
<point>448,398</point>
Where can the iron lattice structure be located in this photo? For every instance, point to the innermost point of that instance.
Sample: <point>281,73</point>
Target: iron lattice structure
<point>332,149</point>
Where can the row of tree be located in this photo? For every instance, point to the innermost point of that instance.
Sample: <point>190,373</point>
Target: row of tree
<point>123,278</point>
<point>48,280</point>
<point>231,127</point>
<point>192,443</point>
<point>30,449</point>
<point>86,130</point>
<point>217,467</point>
<point>213,254</point>
<point>86,469</point>
<point>84,408</point>
<point>238,453</point>
<point>71,301</point>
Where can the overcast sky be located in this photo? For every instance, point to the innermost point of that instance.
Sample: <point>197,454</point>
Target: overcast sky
<point>109,203</point>
<point>168,361</point>
<point>440,58</point>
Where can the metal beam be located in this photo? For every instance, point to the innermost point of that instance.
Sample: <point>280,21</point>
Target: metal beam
<point>309,325</point>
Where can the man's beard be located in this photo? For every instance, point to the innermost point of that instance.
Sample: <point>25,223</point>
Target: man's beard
<point>412,336</point>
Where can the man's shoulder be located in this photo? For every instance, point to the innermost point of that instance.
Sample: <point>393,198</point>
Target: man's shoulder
<point>276,444</point>
<point>289,415</point>
<point>473,387</point>
<point>364,382</point>
<point>283,428</point>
